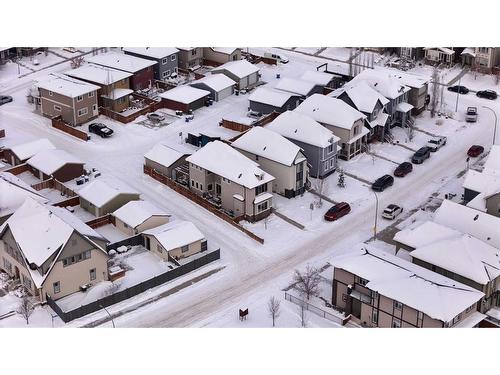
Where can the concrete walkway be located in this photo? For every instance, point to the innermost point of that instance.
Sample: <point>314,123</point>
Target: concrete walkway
<point>382,157</point>
<point>358,178</point>
<point>405,147</point>
<point>288,220</point>
<point>322,196</point>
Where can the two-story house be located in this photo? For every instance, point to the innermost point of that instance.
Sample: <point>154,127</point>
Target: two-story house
<point>166,59</point>
<point>190,57</point>
<point>439,55</point>
<point>220,55</point>
<point>482,59</point>
<point>277,156</point>
<point>243,188</point>
<point>244,73</point>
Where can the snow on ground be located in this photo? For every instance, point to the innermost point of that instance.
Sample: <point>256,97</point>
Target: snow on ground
<point>111,233</point>
<point>53,195</point>
<point>367,167</point>
<point>391,152</point>
<point>9,73</point>
<point>340,53</point>
<point>44,61</point>
<point>311,50</point>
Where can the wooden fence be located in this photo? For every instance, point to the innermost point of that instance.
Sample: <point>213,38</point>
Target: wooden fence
<point>101,221</point>
<point>236,126</point>
<point>52,183</point>
<point>18,169</point>
<point>59,124</point>
<point>2,133</point>
<point>125,119</point>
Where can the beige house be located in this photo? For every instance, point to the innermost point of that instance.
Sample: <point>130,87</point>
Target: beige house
<point>50,251</point>
<point>190,57</point>
<point>137,216</point>
<point>344,121</point>
<point>219,172</point>
<point>74,100</point>
<point>221,55</point>
<point>277,156</point>
<point>104,195</point>
<point>175,241</point>
<point>381,290</point>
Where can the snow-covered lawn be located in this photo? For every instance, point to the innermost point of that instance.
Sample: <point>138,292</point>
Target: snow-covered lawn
<point>111,233</point>
<point>353,191</point>
<point>43,61</point>
<point>340,53</point>
<point>367,167</point>
<point>9,72</point>
<point>391,152</point>
<point>311,50</point>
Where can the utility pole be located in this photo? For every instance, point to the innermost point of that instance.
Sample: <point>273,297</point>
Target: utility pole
<point>458,93</point>
<point>495,130</point>
<point>112,321</point>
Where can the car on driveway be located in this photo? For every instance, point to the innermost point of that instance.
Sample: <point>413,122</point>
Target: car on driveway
<point>5,99</point>
<point>421,155</point>
<point>460,89</point>
<point>100,129</point>
<point>156,117</point>
<point>392,211</point>
<point>403,169</point>
<point>471,114</point>
<point>337,211</point>
<point>475,151</point>
<point>436,143</point>
<point>487,94</point>
<point>383,183</point>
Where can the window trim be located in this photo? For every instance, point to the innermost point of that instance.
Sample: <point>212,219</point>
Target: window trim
<point>94,272</point>
<point>58,284</point>
<point>79,98</point>
<point>82,109</point>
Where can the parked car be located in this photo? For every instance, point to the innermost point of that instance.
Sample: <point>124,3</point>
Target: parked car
<point>436,143</point>
<point>100,129</point>
<point>460,89</point>
<point>337,211</point>
<point>5,99</point>
<point>156,117</point>
<point>280,58</point>
<point>383,183</point>
<point>471,114</point>
<point>475,151</point>
<point>403,169</point>
<point>487,94</point>
<point>421,155</point>
<point>392,211</point>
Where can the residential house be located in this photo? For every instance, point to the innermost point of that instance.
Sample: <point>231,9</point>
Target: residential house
<point>74,100</point>
<point>137,216</point>
<point>4,55</point>
<point>190,57</point>
<point>13,193</point>
<point>215,56</point>
<point>168,160</point>
<point>419,87</point>
<point>265,101</point>
<point>184,98</point>
<point>141,69</point>
<point>439,55</point>
<point>482,59</point>
<point>241,186</point>
<point>175,241</point>
<point>381,290</point>
<point>420,234</point>
<point>56,164</point>
<point>488,201</point>
<point>277,156</point>
<point>166,59</point>
<point>219,85</point>
<point>321,79</point>
<point>50,251</point>
<point>317,143</point>
<point>114,85</point>
<point>411,53</point>
<point>299,87</point>
<point>20,153</point>
<point>341,119</point>
<point>105,195</point>
<point>245,74</point>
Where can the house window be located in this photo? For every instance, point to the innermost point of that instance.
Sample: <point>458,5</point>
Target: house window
<point>356,130</point>
<point>396,323</point>
<point>94,107</point>
<point>184,249</point>
<point>361,281</point>
<point>173,58</point>
<point>330,148</point>
<point>261,189</point>
<point>51,93</point>
<point>164,61</point>
<point>65,262</point>
<point>166,74</point>
<point>57,108</point>
<point>262,207</point>
<point>197,185</point>
<point>397,305</point>
<point>57,287</point>
<point>82,112</point>
<point>375,317</point>
<point>210,187</point>
<point>91,94</point>
<point>469,308</point>
<point>201,186</point>
<point>92,273</point>
<point>457,318</point>
<point>192,182</point>
<point>332,163</point>
<point>158,248</point>
<point>79,98</point>
<point>193,52</point>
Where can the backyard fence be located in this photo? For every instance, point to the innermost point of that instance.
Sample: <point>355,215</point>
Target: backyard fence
<point>130,241</point>
<point>316,310</point>
<point>18,169</point>
<point>59,124</point>
<point>101,221</point>
<point>67,316</point>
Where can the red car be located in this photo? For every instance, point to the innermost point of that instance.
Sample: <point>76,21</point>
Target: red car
<point>475,150</point>
<point>337,211</point>
<point>403,169</point>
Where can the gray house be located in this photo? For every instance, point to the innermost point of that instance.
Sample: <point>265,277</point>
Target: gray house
<point>190,57</point>
<point>299,87</point>
<point>318,144</point>
<point>219,85</point>
<point>265,101</point>
<point>245,74</point>
<point>166,58</point>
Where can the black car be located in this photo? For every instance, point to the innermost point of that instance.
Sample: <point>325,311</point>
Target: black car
<point>403,169</point>
<point>487,94</point>
<point>383,182</point>
<point>421,155</point>
<point>5,99</point>
<point>459,89</point>
<point>100,129</point>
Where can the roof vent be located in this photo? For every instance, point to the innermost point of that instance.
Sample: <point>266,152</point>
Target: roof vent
<point>33,266</point>
<point>239,176</point>
<point>476,217</point>
<point>295,131</point>
<point>264,148</point>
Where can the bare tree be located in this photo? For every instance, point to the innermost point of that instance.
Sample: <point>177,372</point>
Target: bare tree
<point>25,308</point>
<point>303,317</point>
<point>76,62</point>
<point>435,91</point>
<point>307,283</point>
<point>273,305</point>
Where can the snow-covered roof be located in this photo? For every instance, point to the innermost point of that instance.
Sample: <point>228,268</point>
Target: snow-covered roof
<point>103,189</point>
<point>316,77</point>
<point>463,255</point>
<point>98,74</point>
<point>154,52</point>
<point>184,94</point>
<point>480,182</point>
<point>492,164</point>
<point>167,155</point>
<point>118,93</point>
<point>134,213</point>
<point>268,144</point>
<point>295,86</point>
<point>225,161</point>
<point>407,78</point>
<point>271,97</point>
<point>65,85</point>
<point>13,193</point>
<point>468,51</point>
<point>362,95</point>
<point>383,82</point>
<point>216,82</point>
<point>121,61</point>
<point>445,50</point>
<point>262,197</point>
<point>26,150</point>
<point>176,234</point>
<point>478,203</point>
<point>240,68</point>
<point>50,161</point>
<point>425,233</point>
<point>404,107</point>
<point>224,50</point>
<point>435,295</point>
<point>381,120</point>
<point>302,128</point>
<point>41,230</point>
<point>330,111</point>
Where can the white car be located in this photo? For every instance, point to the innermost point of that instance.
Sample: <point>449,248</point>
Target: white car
<point>392,211</point>
<point>436,143</point>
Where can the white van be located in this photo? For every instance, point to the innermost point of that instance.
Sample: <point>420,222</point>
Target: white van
<point>282,59</point>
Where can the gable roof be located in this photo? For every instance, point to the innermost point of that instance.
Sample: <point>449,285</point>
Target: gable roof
<point>295,86</point>
<point>121,61</point>
<point>274,98</point>
<point>480,182</point>
<point>176,234</point>
<point>423,234</point>
<point>154,52</point>
<point>294,125</point>
<point>13,193</point>
<point>26,150</point>
<point>362,95</point>
<point>50,161</point>
<point>134,213</point>
<point>98,74</point>
<point>383,82</point>
<point>240,68</point>
<point>268,144</point>
<point>225,161</point>
<point>445,50</point>
<point>224,50</point>
<point>65,85</point>
<point>184,94</point>
<point>330,111</point>
<point>167,155</point>
<point>318,78</point>
<point>492,164</point>
<point>216,82</point>
<point>104,189</point>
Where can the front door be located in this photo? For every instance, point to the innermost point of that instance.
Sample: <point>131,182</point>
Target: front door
<point>147,243</point>
<point>356,308</point>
